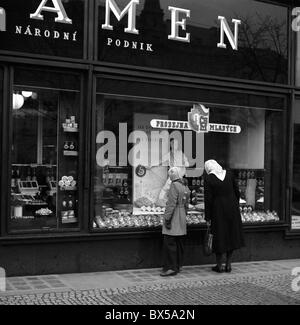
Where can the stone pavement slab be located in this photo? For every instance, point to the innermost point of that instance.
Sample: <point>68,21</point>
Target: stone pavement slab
<point>264,282</point>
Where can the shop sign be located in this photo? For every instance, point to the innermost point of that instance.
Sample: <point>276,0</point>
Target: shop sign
<point>198,36</point>
<point>198,121</point>
<point>42,27</point>
<point>178,22</point>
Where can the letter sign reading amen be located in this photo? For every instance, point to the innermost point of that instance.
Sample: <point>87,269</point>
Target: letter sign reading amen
<point>176,23</point>
<point>130,8</point>
<point>225,28</point>
<point>58,9</point>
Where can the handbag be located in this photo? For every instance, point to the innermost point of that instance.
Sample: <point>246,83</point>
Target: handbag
<point>208,240</point>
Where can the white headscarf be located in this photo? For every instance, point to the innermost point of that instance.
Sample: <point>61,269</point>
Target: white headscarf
<point>212,167</point>
<point>174,173</point>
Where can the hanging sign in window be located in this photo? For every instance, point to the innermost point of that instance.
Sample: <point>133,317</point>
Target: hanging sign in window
<point>198,121</point>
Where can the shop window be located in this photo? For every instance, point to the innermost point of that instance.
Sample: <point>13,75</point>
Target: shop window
<point>44,151</point>
<point>262,47</point>
<point>296,169</point>
<point>132,158</point>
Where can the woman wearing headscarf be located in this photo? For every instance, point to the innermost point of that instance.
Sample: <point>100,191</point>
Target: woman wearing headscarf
<point>174,223</point>
<point>222,211</point>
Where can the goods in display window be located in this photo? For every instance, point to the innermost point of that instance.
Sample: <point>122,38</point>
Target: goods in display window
<point>252,200</point>
<point>44,171</point>
<point>114,219</point>
<point>30,198</point>
<point>144,213</point>
<point>159,146</point>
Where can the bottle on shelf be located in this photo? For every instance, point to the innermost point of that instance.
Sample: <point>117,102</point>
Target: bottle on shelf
<point>66,145</point>
<point>13,180</point>
<point>48,177</point>
<point>70,202</point>
<point>18,177</point>
<point>64,202</point>
<point>52,176</point>
<point>33,174</point>
<point>28,177</point>
<point>72,146</point>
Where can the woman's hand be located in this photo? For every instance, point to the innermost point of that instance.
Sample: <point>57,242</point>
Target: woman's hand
<point>168,224</point>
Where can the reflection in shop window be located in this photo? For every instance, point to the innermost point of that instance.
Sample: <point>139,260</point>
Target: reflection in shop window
<point>44,157</point>
<point>134,195</point>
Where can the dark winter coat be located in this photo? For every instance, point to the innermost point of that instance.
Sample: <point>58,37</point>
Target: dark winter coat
<point>222,209</point>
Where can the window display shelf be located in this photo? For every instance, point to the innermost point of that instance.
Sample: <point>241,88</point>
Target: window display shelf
<point>70,153</point>
<point>68,188</point>
<point>69,220</point>
<point>143,220</point>
<point>71,130</point>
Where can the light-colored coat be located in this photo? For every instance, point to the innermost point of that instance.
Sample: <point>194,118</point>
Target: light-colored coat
<point>176,209</point>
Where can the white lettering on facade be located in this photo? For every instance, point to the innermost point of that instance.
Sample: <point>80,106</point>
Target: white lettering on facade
<point>37,32</point>
<point>57,8</point>
<point>130,9</point>
<point>176,23</point>
<point>233,39</point>
<point>129,44</point>
<point>18,29</point>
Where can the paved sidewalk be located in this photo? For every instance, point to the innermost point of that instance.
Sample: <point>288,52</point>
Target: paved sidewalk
<point>259,283</point>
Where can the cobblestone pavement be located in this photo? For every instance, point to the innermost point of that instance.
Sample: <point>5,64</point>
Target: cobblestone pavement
<point>258,283</point>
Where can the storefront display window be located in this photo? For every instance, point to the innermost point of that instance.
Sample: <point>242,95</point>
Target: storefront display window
<point>30,26</point>
<point>189,38</point>
<point>44,151</point>
<point>137,140</point>
<point>295,213</point>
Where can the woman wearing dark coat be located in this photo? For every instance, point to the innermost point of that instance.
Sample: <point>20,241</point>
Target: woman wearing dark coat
<point>174,224</point>
<point>222,212</point>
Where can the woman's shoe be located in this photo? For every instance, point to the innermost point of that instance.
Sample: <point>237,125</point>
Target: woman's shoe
<point>217,269</point>
<point>168,273</point>
<point>228,268</point>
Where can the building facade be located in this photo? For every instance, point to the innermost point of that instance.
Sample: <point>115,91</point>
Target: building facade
<point>90,89</point>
